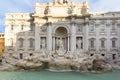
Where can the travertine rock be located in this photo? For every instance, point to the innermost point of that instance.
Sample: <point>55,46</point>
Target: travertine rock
<point>59,64</point>
<point>101,65</point>
<point>62,62</point>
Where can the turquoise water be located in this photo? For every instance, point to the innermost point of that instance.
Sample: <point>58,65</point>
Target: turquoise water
<point>47,75</point>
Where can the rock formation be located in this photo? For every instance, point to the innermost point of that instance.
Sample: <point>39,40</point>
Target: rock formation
<point>83,62</point>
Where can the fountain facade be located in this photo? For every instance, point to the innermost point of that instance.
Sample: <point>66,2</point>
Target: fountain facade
<point>62,30</point>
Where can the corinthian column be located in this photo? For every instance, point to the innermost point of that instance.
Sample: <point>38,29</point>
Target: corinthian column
<point>73,37</point>
<point>49,37</point>
<point>37,37</point>
<point>85,38</point>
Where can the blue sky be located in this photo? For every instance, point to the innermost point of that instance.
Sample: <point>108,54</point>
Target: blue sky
<point>9,6</point>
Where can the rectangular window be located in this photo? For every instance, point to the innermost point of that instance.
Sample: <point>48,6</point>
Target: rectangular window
<point>92,43</point>
<point>21,43</point>
<point>22,27</point>
<point>102,28</point>
<point>113,27</point>
<point>92,28</point>
<point>113,43</point>
<point>31,43</point>
<point>102,43</point>
<point>12,27</point>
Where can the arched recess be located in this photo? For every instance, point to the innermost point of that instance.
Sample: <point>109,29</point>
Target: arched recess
<point>61,31</point>
<point>61,38</point>
<point>58,26</point>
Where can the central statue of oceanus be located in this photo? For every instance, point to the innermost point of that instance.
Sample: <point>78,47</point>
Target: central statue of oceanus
<point>60,45</point>
<point>61,49</point>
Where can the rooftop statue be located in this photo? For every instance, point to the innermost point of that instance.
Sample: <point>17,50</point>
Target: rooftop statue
<point>61,1</point>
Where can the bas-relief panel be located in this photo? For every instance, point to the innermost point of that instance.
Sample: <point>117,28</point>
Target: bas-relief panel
<point>79,28</point>
<point>43,29</point>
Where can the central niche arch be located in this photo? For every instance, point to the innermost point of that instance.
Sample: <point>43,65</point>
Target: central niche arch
<point>61,38</point>
<point>61,31</point>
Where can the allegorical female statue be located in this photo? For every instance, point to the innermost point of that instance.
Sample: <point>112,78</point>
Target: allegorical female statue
<point>43,44</point>
<point>60,45</point>
<point>79,43</point>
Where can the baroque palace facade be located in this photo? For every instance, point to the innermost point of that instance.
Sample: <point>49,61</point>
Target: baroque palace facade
<point>67,27</point>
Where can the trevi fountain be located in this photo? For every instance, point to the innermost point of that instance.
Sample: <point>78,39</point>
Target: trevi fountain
<point>72,44</point>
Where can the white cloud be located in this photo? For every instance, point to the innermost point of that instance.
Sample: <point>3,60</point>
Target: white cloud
<point>105,5</point>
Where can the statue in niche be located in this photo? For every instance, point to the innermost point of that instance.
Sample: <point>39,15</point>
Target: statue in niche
<point>79,43</point>
<point>60,45</point>
<point>79,28</point>
<point>43,43</point>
